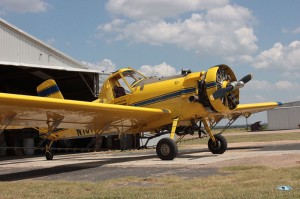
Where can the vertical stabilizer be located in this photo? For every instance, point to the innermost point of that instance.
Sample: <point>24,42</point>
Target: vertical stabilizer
<point>50,89</point>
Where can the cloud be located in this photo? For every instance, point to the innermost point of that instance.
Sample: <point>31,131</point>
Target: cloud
<point>260,98</point>
<point>280,57</point>
<point>296,30</point>
<point>51,41</point>
<point>291,74</point>
<point>292,31</point>
<point>106,65</point>
<point>258,85</point>
<point>269,86</point>
<point>160,70</point>
<point>212,27</point>
<point>24,6</point>
<point>159,9</point>
<point>284,85</point>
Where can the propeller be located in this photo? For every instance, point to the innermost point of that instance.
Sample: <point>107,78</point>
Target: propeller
<point>220,93</point>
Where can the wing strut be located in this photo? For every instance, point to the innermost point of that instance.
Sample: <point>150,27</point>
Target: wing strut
<point>6,122</point>
<point>53,120</point>
<point>98,133</point>
<point>231,120</point>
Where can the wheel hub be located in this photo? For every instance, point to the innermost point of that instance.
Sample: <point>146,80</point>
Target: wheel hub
<point>216,145</point>
<point>165,149</point>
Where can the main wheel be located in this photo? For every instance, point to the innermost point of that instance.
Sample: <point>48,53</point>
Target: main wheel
<point>49,155</point>
<point>166,149</point>
<point>220,146</point>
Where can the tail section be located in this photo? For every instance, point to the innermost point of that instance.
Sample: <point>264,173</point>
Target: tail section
<point>50,89</point>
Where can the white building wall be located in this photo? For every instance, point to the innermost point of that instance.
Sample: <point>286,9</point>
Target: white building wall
<point>20,48</point>
<point>284,118</point>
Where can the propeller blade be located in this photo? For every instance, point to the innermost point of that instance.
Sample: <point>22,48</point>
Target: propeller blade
<point>221,92</point>
<point>247,78</point>
<point>232,86</point>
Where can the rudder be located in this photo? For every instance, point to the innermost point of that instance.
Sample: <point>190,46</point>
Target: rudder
<point>50,89</point>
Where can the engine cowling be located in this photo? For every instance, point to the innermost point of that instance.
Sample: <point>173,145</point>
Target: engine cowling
<point>221,77</point>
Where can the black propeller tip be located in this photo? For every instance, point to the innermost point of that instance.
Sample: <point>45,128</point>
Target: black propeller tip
<point>247,78</point>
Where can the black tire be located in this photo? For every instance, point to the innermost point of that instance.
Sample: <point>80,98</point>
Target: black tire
<point>49,155</point>
<point>166,149</point>
<point>217,148</point>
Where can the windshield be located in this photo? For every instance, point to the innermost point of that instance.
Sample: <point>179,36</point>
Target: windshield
<point>132,77</point>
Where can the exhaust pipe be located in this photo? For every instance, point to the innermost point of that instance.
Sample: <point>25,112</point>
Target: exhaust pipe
<point>193,98</point>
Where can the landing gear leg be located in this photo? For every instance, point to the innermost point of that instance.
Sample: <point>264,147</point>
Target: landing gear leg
<point>166,148</point>
<point>48,153</point>
<point>53,120</point>
<point>217,144</point>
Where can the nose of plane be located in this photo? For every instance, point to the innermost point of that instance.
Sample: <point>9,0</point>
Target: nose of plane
<point>222,88</point>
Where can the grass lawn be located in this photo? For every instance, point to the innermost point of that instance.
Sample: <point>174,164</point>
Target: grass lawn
<point>252,137</point>
<point>232,182</point>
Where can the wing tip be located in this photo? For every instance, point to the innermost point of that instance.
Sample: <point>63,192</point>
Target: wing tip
<point>279,103</point>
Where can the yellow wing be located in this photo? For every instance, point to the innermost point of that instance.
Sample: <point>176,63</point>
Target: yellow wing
<point>248,109</point>
<point>256,107</point>
<point>32,111</point>
<point>242,109</point>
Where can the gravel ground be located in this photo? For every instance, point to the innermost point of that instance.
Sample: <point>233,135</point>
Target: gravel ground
<point>195,162</point>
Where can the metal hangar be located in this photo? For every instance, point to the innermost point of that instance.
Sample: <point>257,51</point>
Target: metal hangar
<point>284,117</point>
<point>25,62</point>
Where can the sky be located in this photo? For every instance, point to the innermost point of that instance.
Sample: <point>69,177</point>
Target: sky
<point>160,37</point>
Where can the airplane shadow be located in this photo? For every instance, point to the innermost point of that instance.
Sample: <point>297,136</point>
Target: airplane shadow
<point>42,172</point>
<point>63,169</point>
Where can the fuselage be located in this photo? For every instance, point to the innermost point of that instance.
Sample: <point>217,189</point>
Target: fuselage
<point>184,96</point>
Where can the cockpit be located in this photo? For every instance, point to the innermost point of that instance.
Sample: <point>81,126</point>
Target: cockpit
<point>124,81</point>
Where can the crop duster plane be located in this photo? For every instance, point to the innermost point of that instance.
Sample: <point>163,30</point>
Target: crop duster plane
<point>130,103</point>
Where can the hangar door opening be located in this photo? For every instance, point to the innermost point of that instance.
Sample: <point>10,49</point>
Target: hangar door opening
<point>76,84</point>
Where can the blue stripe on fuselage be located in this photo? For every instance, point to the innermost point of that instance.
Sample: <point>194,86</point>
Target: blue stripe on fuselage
<point>165,97</point>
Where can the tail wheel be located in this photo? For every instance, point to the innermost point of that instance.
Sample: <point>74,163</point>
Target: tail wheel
<point>218,147</point>
<point>166,149</point>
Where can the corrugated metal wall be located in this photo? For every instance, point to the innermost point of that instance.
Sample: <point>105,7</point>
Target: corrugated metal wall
<point>284,117</point>
<point>20,48</point>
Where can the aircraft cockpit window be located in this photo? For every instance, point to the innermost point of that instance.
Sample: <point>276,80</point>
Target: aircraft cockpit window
<point>132,77</point>
<point>124,85</point>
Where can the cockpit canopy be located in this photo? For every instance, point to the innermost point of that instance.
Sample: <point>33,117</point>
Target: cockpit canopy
<point>124,81</point>
<point>132,77</point>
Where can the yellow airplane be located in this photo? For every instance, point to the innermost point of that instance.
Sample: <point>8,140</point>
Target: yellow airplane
<point>130,103</point>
